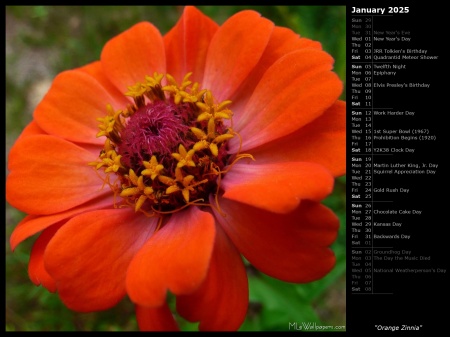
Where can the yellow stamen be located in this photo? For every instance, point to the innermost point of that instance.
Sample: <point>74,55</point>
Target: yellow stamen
<point>194,95</point>
<point>214,149</point>
<point>166,180</point>
<point>154,81</point>
<point>200,145</point>
<point>186,182</point>
<point>222,138</point>
<point>175,89</point>
<point>184,157</point>
<point>139,191</point>
<point>152,168</point>
<point>198,133</point>
<point>211,110</point>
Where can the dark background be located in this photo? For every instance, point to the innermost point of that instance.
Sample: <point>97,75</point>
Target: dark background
<point>414,299</point>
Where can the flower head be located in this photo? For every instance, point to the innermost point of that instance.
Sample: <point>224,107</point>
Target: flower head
<point>155,169</point>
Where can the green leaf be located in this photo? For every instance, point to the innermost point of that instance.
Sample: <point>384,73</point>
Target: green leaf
<point>280,304</point>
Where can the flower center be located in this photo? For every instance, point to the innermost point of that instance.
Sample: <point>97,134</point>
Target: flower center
<point>168,150</point>
<point>155,128</point>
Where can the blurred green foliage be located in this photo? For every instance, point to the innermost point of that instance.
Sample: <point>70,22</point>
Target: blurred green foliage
<point>42,41</point>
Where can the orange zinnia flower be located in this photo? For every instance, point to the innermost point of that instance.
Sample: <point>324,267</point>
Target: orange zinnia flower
<point>158,167</point>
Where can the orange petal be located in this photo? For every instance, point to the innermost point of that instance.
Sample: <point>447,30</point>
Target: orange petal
<point>234,50</point>
<point>33,224</point>
<point>31,129</point>
<point>95,69</point>
<point>88,257</point>
<point>155,319</point>
<point>176,258</point>
<point>277,187</point>
<point>221,302</point>
<point>323,141</point>
<point>282,41</point>
<point>133,54</point>
<point>36,269</point>
<point>49,175</point>
<point>187,43</point>
<point>74,102</point>
<point>294,91</point>
<point>291,247</point>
